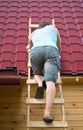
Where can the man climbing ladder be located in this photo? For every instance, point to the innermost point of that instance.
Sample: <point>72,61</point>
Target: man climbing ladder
<point>45,44</point>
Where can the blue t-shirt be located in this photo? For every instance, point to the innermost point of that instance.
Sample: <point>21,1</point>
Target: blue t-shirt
<point>46,36</point>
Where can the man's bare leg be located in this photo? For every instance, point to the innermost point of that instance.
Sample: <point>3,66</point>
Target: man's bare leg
<point>50,95</point>
<point>40,89</point>
<point>39,80</point>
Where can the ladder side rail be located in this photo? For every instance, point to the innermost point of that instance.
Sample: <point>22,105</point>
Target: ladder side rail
<point>53,22</point>
<point>60,88</point>
<point>62,106</point>
<point>29,71</point>
<point>29,68</point>
<point>29,64</point>
<point>61,95</point>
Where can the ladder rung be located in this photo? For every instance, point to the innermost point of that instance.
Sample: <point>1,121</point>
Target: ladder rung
<point>54,124</point>
<point>59,81</point>
<point>33,25</point>
<point>32,81</point>
<point>42,101</point>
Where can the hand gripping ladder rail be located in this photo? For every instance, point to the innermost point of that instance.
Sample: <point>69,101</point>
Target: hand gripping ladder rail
<point>41,124</point>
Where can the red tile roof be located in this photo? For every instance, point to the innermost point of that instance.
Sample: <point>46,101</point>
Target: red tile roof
<point>14,18</point>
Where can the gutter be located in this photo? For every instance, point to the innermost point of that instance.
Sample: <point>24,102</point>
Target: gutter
<point>10,80</point>
<point>10,76</point>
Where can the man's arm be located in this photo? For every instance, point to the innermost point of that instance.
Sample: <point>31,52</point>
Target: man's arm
<point>30,42</point>
<point>58,40</point>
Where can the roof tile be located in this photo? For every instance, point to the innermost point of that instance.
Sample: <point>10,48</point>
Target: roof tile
<point>10,26</point>
<point>76,48</point>
<point>74,40</point>
<point>21,56</point>
<point>9,33</point>
<point>4,64</point>
<point>22,26</point>
<point>71,26</point>
<point>12,20</point>
<point>7,47</point>
<point>21,40</point>
<point>7,56</point>
<point>78,56</point>
<point>72,32</point>
<point>13,9</point>
<point>66,67</point>
<point>8,39</point>
<point>21,48</point>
